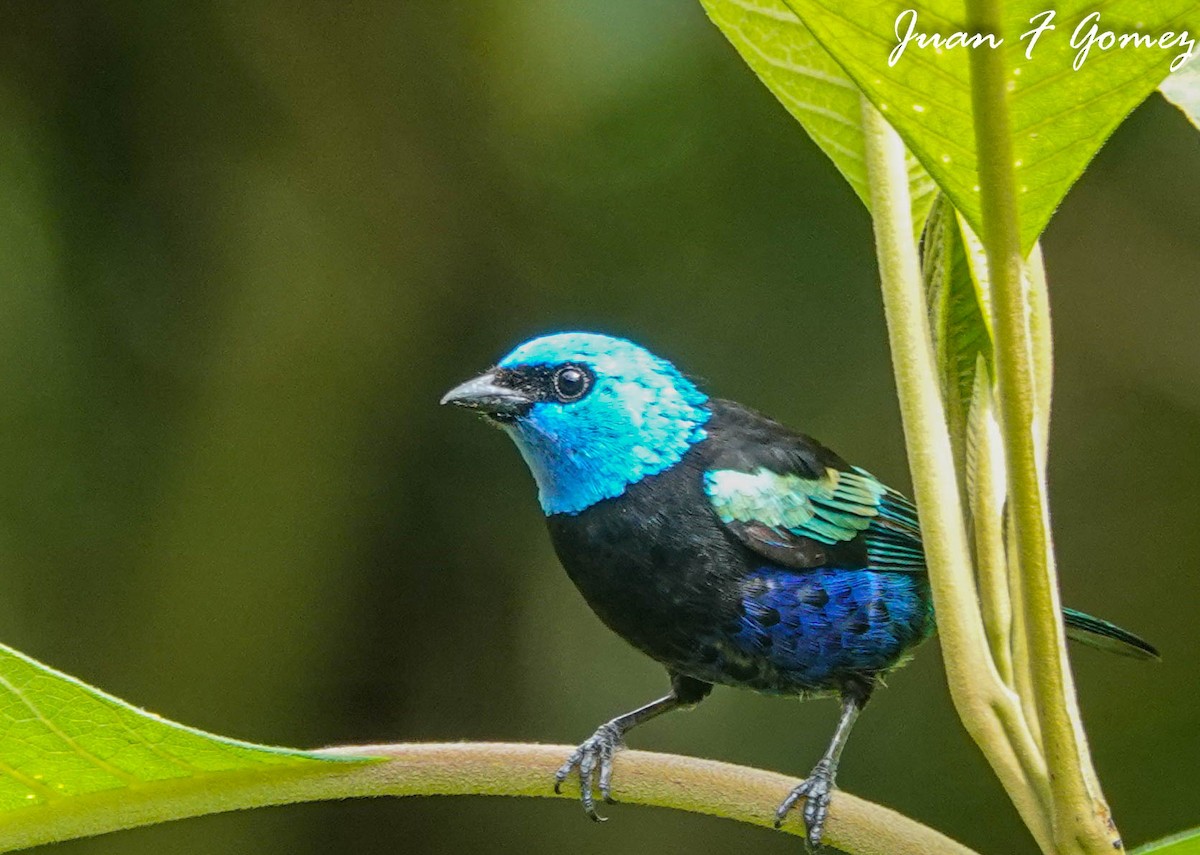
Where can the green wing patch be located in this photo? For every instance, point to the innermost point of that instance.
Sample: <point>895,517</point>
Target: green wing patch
<point>830,509</point>
<point>803,521</point>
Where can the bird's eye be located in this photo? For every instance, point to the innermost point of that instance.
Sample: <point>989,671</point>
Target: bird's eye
<point>571,383</point>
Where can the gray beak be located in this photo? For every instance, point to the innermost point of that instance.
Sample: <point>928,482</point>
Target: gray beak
<point>489,397</point>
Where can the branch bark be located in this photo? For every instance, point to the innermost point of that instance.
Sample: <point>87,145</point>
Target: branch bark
<point>495,769</point>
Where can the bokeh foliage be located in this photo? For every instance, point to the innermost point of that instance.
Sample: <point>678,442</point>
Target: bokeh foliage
<point>243,250</point>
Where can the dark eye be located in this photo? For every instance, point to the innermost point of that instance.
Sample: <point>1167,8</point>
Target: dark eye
<point>571,383</point>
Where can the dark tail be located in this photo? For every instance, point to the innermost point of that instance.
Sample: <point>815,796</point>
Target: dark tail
<point>1103,635</point>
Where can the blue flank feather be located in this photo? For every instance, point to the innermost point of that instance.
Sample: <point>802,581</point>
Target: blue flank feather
<point>799,630</point>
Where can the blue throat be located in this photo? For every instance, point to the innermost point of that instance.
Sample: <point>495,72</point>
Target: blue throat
<point>571,478</point>
<point>640,419</point>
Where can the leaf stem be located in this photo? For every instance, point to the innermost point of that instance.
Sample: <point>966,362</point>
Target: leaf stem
<point>987,708</point>
<point>495,769</point>
<point>1081,819</point>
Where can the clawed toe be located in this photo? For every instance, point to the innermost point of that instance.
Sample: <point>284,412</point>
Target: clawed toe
<point>594,760</point>
<point>817,792</point>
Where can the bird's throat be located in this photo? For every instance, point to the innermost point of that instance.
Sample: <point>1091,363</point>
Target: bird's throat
<point>572,476</point>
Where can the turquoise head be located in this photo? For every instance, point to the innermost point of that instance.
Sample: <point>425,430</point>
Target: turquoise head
<point>591,414</point>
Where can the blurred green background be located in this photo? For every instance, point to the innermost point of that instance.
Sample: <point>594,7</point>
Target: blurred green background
<point>245,246</point>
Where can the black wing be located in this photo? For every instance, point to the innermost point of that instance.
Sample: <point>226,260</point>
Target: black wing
<point>798,504</point>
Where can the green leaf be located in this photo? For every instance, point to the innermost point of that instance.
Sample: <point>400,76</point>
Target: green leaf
<point>812,86</point>
<point>956,291</point>
<point>66,747</point>
<point>985,490</point>
<point>1183,843</point>
<point>1059,116</point>
<point>1182,88</point>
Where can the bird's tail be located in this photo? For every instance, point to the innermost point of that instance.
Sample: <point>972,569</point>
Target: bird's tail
<point>1103,635</point>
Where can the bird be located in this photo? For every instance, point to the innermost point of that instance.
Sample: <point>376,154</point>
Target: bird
<point>721,544</point>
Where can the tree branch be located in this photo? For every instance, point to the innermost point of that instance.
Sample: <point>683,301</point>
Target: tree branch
<point>495,769</point>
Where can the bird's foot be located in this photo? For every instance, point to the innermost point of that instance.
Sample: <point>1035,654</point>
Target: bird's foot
<point>817,792</point>
<point>594,756</point>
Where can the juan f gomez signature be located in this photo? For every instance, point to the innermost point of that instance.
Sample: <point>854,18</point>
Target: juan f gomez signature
<point>1088,34</point>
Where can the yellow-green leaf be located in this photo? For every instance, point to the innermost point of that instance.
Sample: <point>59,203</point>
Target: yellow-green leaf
<point>1060,115</point>
<point>955,284</point>
<point>65,745</point>
<point>1183,843</point>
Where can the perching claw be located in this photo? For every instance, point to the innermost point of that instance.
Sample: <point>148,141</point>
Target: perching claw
<point>595,751</point>
<point>817,788</point>
<point>817,792</point>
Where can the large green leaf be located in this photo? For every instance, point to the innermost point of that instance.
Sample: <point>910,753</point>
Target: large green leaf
<point>65,745</point>
<point>812,86</point>
<point>1183,843</point>
<point>1060,116</point>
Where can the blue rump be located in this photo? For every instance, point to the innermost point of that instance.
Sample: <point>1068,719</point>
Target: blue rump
<point>801,632</point>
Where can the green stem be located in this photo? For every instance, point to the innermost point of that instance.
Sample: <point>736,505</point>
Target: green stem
<point>1039,329</point>
<point>1081,820</point>
<point>987,708</point>
<point>1022,669</point>
<point>495,769</point>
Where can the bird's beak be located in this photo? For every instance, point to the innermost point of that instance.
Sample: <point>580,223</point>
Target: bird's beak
<point>489,397</point>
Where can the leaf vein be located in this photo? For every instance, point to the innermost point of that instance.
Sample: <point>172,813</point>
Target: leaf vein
<point>98,762</point>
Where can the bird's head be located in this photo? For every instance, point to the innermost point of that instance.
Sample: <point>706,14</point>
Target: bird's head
<point>591,414</point>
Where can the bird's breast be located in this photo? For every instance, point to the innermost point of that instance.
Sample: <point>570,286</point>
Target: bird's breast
<point>657,567</point>
<point>653,563</point>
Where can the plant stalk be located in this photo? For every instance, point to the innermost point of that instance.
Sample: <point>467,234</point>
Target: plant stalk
<point>987,708</point>
<point>497,769</point>
<point>1082,822</point>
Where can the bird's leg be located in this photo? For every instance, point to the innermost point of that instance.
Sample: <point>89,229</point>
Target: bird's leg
<point>817,788</point>
<point>597,751</point>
